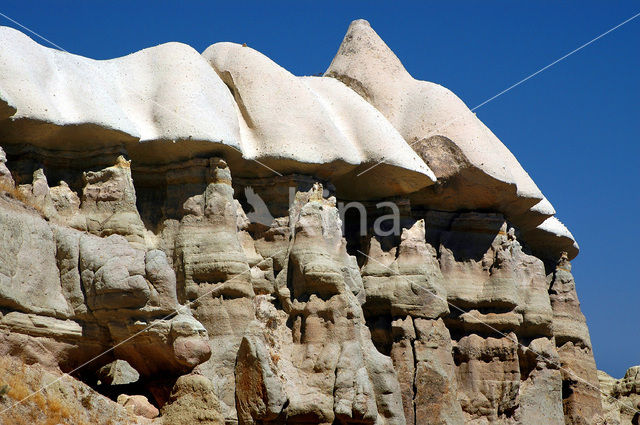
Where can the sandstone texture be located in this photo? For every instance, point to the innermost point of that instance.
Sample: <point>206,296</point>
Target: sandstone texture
<point>209,239</point>
<point>621,397</point>
<point>62,399</point>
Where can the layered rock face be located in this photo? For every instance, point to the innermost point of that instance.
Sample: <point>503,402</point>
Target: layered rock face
<point>278,249</point>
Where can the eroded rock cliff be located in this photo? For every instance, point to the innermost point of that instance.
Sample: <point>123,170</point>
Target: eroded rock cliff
<point>621,397</point>
<point>321,250</point>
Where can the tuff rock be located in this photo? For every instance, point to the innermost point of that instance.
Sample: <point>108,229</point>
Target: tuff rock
<point>118,372</point>
<point>621,397</point>
<point>210,265</point>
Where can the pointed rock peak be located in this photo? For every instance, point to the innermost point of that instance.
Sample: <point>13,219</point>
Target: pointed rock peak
<point>563,262</point>
<point>219,171</point>
<point>122,162</point>
<point>363,54</point>
<point>363,22</point>
<point>415,232</point>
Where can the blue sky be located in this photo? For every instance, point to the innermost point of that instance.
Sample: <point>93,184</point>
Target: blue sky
<point>574,127</point>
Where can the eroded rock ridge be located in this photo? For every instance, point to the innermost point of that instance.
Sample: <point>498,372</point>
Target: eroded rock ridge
<point>198,239</point>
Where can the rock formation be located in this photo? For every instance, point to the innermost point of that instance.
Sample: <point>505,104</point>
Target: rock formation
<point>229,243</point>
<point>621,397</point>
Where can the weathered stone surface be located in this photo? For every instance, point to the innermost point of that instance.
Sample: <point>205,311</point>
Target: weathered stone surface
<point>346,378</point>
<point>54,398</point>
<point>162,278</point>
<point>111,110</point>
<point>193,401</point>
<point>286,327</point>
<point>581,391</point>
<point>540,396</point>
<point>621,397</point>
<point>102,99</point>
<point>64,199</point>
<point>489,377</point>
<point>118,372</point>
<point>436,398</point>
<point>474,169</point>
<point>85,292</point>
<point>138,405</point>
<point>484,267</point>
<point>37,325</point>
<point>29,278</point>
<point>109,203</point>
<point>259,391</point>
<point>405,281</point>
<point>6,180</point>
<point>258,299</point>
<point>550,239</point>
<point>112,273</point>
<point>326,124</point>
<point>569,324</point>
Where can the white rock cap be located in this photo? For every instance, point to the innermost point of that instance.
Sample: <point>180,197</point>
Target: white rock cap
<point>475,170</point>
<point>371,129</point>
<point>168,103</point>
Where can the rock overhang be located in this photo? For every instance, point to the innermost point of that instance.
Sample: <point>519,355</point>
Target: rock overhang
<point>355,127</point>
<point>474,169</point>
<point>166,103</point>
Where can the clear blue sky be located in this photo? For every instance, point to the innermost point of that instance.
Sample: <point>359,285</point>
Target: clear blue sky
<point>574,127</point>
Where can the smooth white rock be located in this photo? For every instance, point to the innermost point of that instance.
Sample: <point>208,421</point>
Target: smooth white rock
<point>313,121</point>
<point>167,103</point>
<point>166,92</point>
<point>420,110</point>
